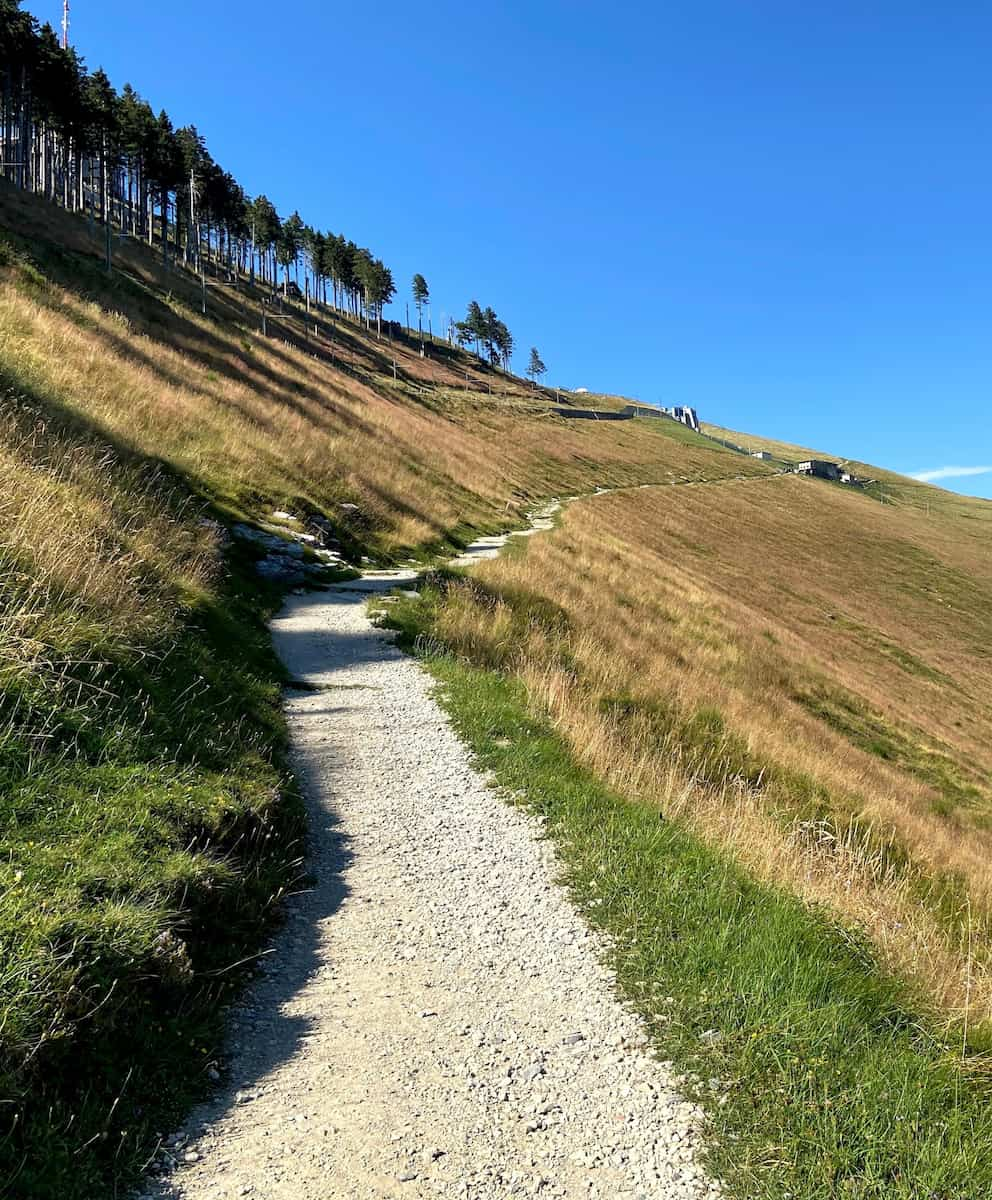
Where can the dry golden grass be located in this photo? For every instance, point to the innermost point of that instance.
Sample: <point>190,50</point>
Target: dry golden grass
<point>96,554</point>
<point>819,624</point>
<point>682,637</point>
<point>299,417</point>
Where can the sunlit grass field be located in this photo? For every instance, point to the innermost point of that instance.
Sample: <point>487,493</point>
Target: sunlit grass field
<point>795,669</point>
<point>309,415</point>
<point>753,714</point>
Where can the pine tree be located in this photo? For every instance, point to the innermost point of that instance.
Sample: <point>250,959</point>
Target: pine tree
<point>421,295</point>
<point>535,367</point>
<point>102,116</point>
<point>196,164</point>
<point>137,134</point>
<point>473,328</point>
<point>165,170</point>
<point>288,247</point>
<point>338,267</point>
<point>504,344</point>
<point>376,282</point>
<point>314,250</point>
<point>264,221</point>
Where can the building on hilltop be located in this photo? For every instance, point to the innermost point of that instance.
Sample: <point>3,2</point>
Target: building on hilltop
<point>686,415</point>
<point>827,470</point>
<point>682,414</point>
<point>819,468</point>
<point>762,454</point>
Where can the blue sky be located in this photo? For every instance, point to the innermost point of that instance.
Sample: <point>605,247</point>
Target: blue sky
<point>776,212</point>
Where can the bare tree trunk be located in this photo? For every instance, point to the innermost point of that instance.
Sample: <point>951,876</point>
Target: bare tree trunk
<point>127,198</point>
<point>24,146</point>
<point>9,169</point>
<point>104,191</point>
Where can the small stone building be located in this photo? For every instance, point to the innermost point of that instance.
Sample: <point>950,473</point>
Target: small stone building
<point>820,468</point>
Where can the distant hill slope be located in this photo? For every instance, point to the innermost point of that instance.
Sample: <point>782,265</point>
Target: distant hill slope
<point>893,487</point>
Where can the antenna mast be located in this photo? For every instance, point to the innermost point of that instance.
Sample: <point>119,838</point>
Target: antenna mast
<point>65,24</point>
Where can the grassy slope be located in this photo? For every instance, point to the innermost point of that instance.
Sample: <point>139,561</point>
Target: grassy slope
<point>797,665</point>
<point>149,828</point>
<point>891,488</point>
<point>148,823</point>
<point>299,419</point>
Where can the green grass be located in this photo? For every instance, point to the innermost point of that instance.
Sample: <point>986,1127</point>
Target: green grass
<point>699,743</point>
<point>870,731</point>
<point>835,1083</point>
<point>148,826</point>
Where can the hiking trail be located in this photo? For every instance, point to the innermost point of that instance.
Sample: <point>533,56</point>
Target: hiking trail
<point>435,1019</point>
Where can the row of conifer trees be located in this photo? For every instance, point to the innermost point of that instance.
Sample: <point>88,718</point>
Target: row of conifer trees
<point>69,135</point>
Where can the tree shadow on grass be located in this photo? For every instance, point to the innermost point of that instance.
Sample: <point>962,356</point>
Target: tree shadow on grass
<point>218,357</point>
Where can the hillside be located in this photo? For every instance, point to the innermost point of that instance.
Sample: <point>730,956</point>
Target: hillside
<point>297,417</point>
<point>787,644</point>
<point>150,822</point>
<point>887,486</point>
<point>792,674</point>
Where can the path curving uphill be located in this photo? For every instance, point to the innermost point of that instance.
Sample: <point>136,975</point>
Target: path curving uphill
<point>435,1020</point>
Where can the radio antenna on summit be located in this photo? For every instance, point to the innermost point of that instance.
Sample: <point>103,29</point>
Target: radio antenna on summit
<point>65,24</point>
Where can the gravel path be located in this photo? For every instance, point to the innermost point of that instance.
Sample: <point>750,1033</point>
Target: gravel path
<point>435,1020</point>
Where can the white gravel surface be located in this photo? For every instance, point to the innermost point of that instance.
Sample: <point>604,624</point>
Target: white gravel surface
<point>435,1020</point>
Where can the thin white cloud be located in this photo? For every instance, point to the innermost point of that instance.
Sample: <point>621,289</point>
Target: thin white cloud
<point>949,473</point>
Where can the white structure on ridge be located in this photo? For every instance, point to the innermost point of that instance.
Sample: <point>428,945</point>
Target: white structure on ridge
<point>683,413</point>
